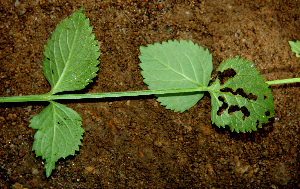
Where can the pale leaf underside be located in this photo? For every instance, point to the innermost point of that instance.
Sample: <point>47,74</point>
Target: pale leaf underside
<point>174,65</point>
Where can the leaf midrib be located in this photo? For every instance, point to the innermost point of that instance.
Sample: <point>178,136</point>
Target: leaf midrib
<point>196,83</point>
<point>53,90</point>
<point>214,92</point>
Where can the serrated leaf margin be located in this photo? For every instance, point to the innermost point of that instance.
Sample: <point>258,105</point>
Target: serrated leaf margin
<point>246,75</point>
<point>58,135</point>
<point>71,55</point>
<point>176,64</point>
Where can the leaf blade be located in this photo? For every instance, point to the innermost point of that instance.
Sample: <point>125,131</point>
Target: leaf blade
<point>59,133</point>
<point>244,102</point>
<point>71,55</point>
<point>295,47</point>
<point>176,64</point>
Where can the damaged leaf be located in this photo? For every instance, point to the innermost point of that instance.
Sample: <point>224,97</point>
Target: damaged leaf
<point>243,101</point>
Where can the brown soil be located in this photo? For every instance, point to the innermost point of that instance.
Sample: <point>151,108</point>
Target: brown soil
<point>135,142</point>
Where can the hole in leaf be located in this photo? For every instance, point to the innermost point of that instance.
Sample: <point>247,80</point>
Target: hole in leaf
<point>267,113</point>
<point>235,108</point>
<point>241,92</point>
<point>245,112</point>
<point>265,97</point>
<point>225,75</point>
<point>223,107</point>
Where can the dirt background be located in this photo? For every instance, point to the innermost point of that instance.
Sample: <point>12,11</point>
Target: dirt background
<point>135,142</point>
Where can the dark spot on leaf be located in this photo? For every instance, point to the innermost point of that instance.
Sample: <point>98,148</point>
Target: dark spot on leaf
<point>225,75</point>
<point>223,107</point>
<point>265,97</point>
<point>235,108</point>
<point>240,92</point>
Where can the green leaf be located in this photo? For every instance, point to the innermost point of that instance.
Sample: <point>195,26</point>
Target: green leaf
<point>59,133</point>
<point>244,102</point>
<point>295,46</point>
<point>174,65</point>
<point>71,55</point>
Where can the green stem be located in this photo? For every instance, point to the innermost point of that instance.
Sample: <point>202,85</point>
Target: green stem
<point>49,97</point>
<point>42,97</point>
<point>283,81</point>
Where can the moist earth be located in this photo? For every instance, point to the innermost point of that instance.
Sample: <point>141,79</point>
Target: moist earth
<point>135,142</point>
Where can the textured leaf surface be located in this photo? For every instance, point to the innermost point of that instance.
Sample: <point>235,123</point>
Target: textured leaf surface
<point>173,65</point>
<point>59,133</point>
<point>295,46</point>
<point>71,55</point>
<point>244,102</point>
